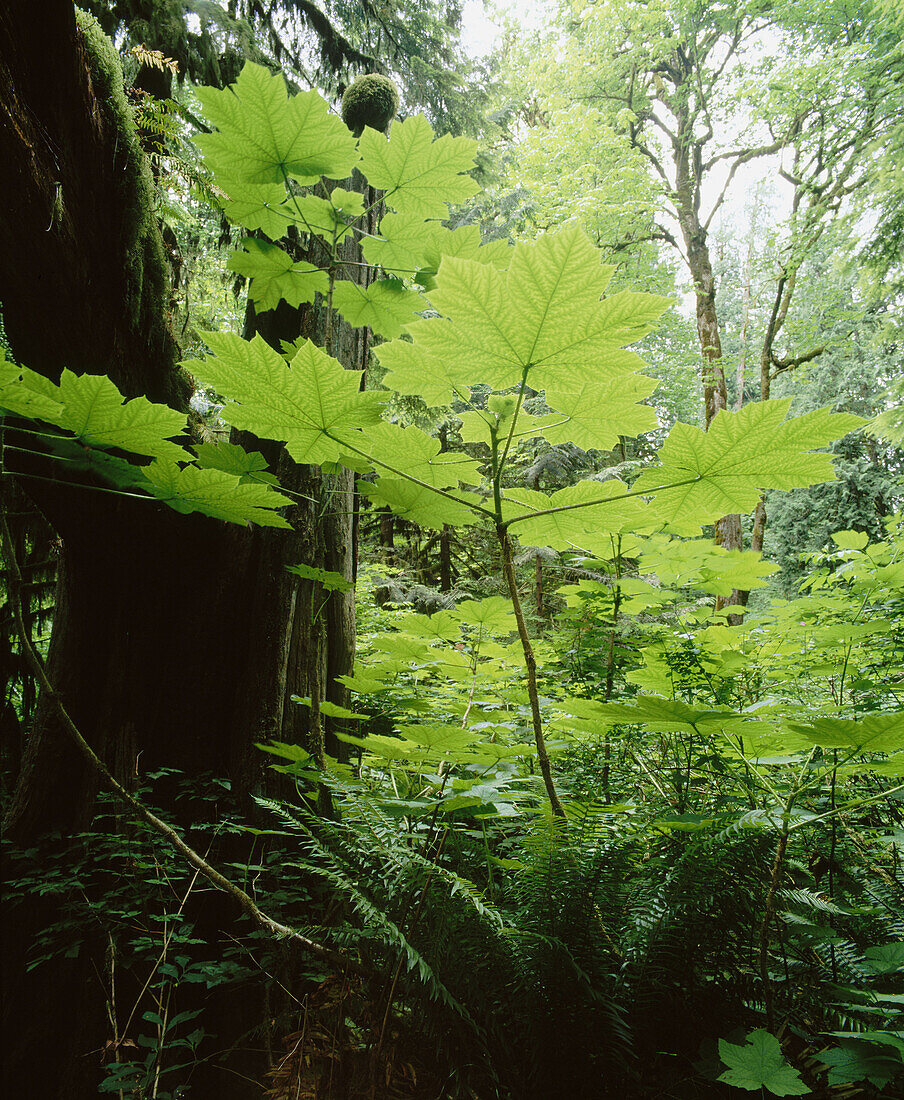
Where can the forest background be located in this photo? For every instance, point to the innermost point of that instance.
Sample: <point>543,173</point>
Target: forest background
<point>469,725</point>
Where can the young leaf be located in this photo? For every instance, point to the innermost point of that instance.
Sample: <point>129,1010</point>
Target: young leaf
<point>275,276</point>
<point>419,175</point>
<point>760,1064</point>
<point>308,404</point>
<point>229,457</point>
<point>258,206</point>
<point>710,474</point>
<point>265,135</point>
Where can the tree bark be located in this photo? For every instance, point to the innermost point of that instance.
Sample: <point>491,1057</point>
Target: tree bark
<point>177,640</point>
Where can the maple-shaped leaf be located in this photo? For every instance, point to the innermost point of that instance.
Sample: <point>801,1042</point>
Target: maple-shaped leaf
<point>93,410</point>
<point>705,475</point>
<point>331,216</point>
<point>232,459</point>
<point>871,733</point>
<point>311,405</point>
<point>492,615</point>
<point>408,245</point>
<point>418,174</point>
<point>385,306</point>
<point>275,276</point>
<point>597,411</point>
<point>422,505</point>
<point>760,1064</point>
<point>704,565</point>
<point>414,453</point>
<point>541,322</point>
<point>215,493</point>
<point>266,135</point>
<point>26,393</point>
<point>561,520</point>
<point>257,206</point>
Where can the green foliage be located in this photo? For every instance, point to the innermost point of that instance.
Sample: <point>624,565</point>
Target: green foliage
<point>758,1063</point>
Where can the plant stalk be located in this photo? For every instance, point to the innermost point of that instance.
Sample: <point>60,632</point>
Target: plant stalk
<point>530,666</point>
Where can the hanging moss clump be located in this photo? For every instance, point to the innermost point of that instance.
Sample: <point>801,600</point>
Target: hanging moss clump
<point>371,100</point>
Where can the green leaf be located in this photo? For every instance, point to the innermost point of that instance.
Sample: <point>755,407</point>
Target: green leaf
<point>587,509</point>
<point>409,245</point>
<point>419,175</point>
<point>330,216</point>
<point>705,475</point>
<point>438,738</point>
<point>384,306</point>
<point>215,493</point>
<point>229,457</point>
<point>850,540</point>
<point>265,135</point>
<point>872,733</point>
<point>25,393</point>
<point>94,411</point>
<point>886,958</point>
<point>261,206</point>
<point>760,1064</point>
<point>541,322</point>
<point>275,276</point>
<point>309,405</point>
<point>416,454</point>
<point>329,579</point>
<point>596,412</point>
<point>492,615</point>
<point>422,505</point>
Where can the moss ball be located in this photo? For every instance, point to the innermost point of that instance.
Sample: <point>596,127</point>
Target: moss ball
<point>371,100</point>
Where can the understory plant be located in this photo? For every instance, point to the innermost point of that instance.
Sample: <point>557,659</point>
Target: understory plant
<point>723,860</point>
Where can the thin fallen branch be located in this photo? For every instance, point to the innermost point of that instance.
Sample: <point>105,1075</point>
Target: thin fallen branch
<point>244,901</point>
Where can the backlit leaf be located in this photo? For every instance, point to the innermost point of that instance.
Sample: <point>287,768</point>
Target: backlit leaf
<point>265,135</point>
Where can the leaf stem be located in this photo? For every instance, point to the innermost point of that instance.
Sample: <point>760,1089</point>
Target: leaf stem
<point>530,667</point>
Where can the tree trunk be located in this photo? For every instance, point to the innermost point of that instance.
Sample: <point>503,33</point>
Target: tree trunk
<point>715,392</point>
<point>176,640</point>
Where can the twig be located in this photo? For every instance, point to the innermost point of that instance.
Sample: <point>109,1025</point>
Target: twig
<point>245,902</point>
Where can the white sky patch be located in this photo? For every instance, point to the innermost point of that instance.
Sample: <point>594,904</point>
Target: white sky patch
<point>482,21</point>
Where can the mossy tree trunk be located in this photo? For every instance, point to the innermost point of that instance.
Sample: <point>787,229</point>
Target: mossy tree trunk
<point>174,637</point>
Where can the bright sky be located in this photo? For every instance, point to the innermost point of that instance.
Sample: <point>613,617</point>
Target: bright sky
<point>479,31</point>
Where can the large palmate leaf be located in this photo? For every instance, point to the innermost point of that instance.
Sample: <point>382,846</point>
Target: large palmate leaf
<point>419,175</point>
<point>26,393</point>
<point>266,135</point>
<point>415,454</point>
<point>421,504</point>
<point>307,404</point>
<point>541,322</point>
<point>597,411</point>
<point>705,475</point>
<point>94,412</point>
<point>759,1064</point>
<point>384,306</point>
<point>872,733</point>
<point>215,493</point>
<point>258,206</point>
<point>564,519</point>
<point>275,276</point>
